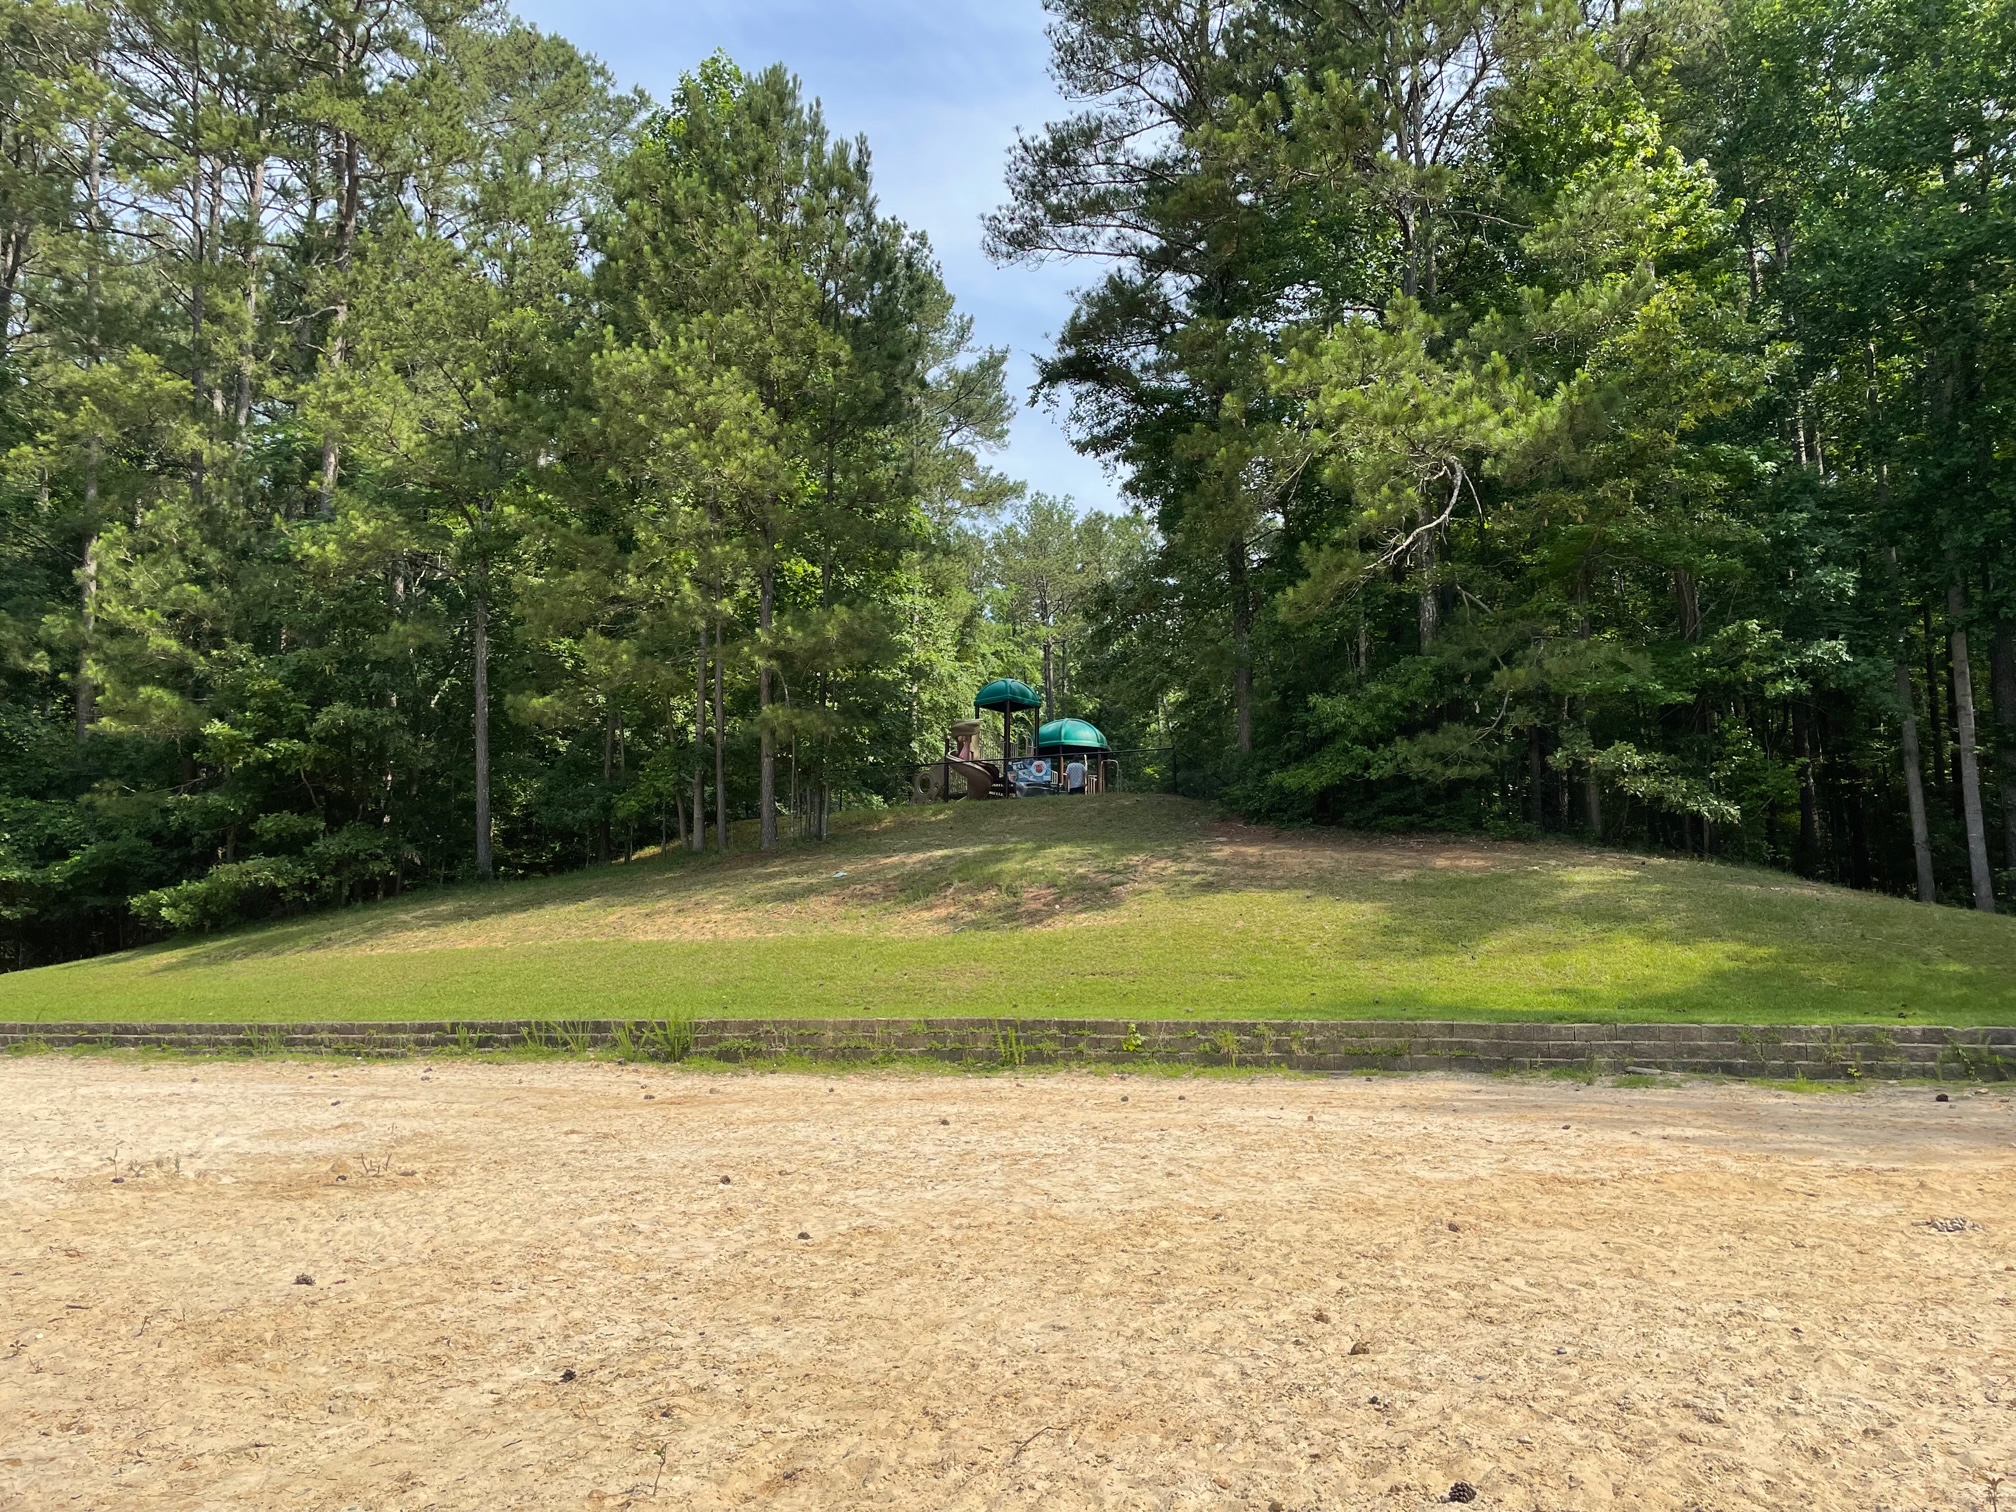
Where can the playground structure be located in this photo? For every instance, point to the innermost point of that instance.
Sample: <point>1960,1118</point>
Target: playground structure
<point>963,771</point>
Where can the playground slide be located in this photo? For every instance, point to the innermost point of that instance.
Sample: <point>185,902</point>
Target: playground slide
<point>980,780</point>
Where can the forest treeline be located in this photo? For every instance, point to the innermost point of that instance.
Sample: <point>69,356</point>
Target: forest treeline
<point>1596,418</point>
<point>421,459</point>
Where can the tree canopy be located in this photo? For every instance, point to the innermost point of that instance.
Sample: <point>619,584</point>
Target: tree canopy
<point>421,459</point>
<point>1589,418</point>
<point>424,460</point>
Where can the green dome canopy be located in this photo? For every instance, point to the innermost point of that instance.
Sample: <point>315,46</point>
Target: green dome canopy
<point>1006,693</point>
<point>1069,734</point>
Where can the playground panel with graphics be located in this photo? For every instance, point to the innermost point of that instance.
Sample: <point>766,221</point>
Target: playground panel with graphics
<point>1037,758</point>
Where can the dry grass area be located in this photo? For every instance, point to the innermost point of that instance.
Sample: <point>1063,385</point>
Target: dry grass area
<point>917,872</point>
<point>1128,906</point>
<point>558,1284</point>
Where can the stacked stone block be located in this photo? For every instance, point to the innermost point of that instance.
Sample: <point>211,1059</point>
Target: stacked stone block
<point>1877,1051</point>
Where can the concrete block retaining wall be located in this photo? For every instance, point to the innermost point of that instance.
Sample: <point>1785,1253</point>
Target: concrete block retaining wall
<point>1778,1051</point>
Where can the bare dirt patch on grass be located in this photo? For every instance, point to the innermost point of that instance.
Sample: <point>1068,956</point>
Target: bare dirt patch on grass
<point>1254,853</point>
<point>1128,906</point>
<point>563,1284</point>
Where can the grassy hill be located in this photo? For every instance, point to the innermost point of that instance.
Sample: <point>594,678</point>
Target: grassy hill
<point>1118,906</point>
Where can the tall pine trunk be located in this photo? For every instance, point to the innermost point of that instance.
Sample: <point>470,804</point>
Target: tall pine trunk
<point>241,414</point>
<point>1932,700</point>
<point>720,754</point>
<point>87,580</point>
<point>13,259</point>
<point>602,847</point>
<point>346,243</point>
<point>1914,769</point>
<point>2002,680</point>
<point>1043,618</point>
<point>766,783</point>
<point>1687,588</point>
<point>696,838</point>
<point>1242,645</point>
<point>1970,775</point>
<point>1914,788</point>
<point>87,577</point>
<point>485,864</point>
<point>199,279</point>
<point>1536,775</point>
<point>1809,792</point>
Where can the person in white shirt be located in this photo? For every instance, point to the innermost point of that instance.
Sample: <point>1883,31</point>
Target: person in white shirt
<point>1074,775</point>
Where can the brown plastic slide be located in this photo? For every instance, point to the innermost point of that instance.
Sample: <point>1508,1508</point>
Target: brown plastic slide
<point>981,781</point>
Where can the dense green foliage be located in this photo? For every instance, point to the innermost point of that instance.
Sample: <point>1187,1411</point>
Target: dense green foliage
<point>1593,417</point>
<point>423,461</point>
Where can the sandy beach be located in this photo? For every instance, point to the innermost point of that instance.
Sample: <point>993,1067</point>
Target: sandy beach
<point>449,1284</point>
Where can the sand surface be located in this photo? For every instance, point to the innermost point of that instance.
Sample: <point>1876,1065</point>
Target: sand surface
<point>1070,1292</point>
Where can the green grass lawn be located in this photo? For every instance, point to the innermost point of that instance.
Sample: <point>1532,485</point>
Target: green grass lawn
<point>1116,906</point>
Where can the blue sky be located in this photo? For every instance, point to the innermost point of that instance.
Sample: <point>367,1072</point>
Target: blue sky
<point>939,87</point>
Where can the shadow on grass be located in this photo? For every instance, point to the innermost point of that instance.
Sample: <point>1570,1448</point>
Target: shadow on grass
<point>981,866</point>
<point>1511,929</point>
